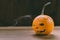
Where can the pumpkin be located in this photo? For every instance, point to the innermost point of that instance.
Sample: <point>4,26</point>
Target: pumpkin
<point>43,24</point>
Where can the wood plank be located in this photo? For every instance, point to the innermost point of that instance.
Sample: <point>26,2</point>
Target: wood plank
<point>27,35</point>
<point>21,28</point>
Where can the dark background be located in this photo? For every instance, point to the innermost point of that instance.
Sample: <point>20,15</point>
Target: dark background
<point>22,12</point>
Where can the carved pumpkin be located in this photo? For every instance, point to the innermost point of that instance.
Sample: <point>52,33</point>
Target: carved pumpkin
<point>43,24</point>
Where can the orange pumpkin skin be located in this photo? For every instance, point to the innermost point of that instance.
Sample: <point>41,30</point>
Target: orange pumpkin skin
<point>43,24</point>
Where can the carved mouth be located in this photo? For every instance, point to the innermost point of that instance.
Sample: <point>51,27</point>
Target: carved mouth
<point>42,30</point>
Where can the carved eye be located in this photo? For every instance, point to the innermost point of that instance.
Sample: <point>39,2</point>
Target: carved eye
<point>38,31</point>
<point>37,28</point>
<point>41,24</point>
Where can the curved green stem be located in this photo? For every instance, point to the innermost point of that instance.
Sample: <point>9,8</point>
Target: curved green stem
<point>42,13</point>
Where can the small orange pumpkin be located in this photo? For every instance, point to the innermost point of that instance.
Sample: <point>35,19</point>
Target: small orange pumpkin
<point>43,24</point>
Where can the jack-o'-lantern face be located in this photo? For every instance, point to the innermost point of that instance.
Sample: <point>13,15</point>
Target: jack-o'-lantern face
<point>43,24</point>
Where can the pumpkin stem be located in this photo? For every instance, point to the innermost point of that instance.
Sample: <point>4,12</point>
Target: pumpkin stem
<point>42,13</point>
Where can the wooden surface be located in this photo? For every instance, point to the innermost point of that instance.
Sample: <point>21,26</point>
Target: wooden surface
<point>22,27</point>
<point>28,34</point>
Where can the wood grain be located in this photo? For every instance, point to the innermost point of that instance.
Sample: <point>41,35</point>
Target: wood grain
<point>25,33</point>
<point>23,27</point>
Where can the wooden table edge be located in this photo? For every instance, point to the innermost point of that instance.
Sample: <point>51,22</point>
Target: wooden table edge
<point>22,28</point>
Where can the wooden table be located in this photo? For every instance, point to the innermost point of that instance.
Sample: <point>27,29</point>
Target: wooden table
<point>26,33</point>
